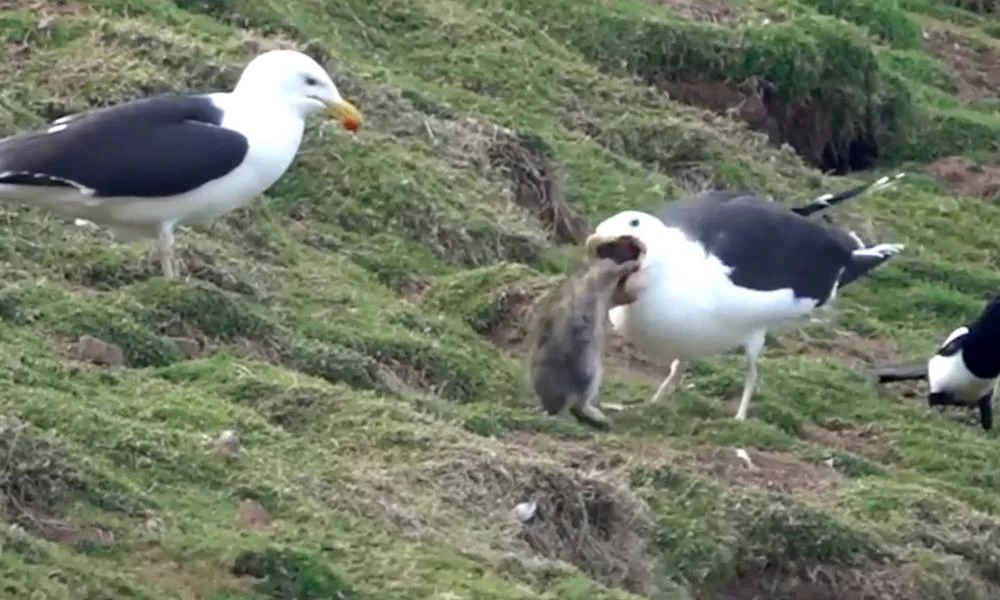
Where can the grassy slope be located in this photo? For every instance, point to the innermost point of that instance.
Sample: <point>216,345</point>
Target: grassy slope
<point>385,435</point>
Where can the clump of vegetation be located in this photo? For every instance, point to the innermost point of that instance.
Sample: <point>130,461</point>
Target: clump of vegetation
<point>35,475</point>
<point>293,575</point>
<point>594,525</point>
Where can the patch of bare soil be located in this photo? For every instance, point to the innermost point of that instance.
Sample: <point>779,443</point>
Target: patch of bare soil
<point>729,99</point>
<point>843,344</point>
<point>517,310</point>
<point>975,70</point>
<point>822,582</point>
<point>590,455</point>
<point>965,178</point>
<point>769,470</point>
<point>864,441</point>
<point>619,355</point>
<point>715,11</point>
<point>805,125</point>
<point>67,532</point>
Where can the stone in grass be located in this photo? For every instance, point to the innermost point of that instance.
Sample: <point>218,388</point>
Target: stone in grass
<point>93,350</point>
<point>188,347</point>
<point>228,442</point>
<point>251,515</point>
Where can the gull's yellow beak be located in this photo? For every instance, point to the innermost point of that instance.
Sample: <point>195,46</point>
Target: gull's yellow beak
<point>346,114</point>
<point>594,240</point>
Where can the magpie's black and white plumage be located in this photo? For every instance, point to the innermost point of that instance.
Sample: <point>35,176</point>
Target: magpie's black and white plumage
<point>720,271</point>
<point>144,166</point>
<point>964,370</point>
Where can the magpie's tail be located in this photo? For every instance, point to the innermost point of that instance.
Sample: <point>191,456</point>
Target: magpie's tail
<point>864,260</point>
<point>830,200</point>
<point>901,372</point>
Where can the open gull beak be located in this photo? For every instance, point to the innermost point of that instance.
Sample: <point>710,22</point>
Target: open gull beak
<point>594,241</point>
<point>345,113</point>
<point>619,248</point>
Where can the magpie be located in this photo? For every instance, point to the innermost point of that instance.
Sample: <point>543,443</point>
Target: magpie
<point>964,370</point>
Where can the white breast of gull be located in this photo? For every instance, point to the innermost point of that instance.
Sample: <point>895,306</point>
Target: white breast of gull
<point>720,271</point>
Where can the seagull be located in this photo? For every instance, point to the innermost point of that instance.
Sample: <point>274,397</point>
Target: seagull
<point>719,271</point>
<point>964,370</point>
<point>144,166</point>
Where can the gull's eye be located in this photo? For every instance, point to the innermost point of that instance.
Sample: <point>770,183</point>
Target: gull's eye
<point>634,223</point>
<point>310,80</point>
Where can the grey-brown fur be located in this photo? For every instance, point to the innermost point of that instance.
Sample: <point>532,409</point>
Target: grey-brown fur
<point>564,362</point>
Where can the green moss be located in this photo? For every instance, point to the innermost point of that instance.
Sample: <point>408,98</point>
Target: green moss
<point>335,363</point>
<point>289,574</point>
<point>887,21</point>
<point>776,531</point>
<point>201,306</point>
<point>483,297</point>
<point>140,346</point>
<point>918,66</point>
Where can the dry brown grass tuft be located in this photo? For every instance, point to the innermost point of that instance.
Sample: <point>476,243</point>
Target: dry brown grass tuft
<point>524,163</point>
<point>528,162</point>
<point>468,489</point>
<point>33,477</point>
<point>591,523</point>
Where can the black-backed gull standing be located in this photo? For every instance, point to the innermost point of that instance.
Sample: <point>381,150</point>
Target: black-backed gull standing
<point>144,166</point>
<point>717,274</point>
<point>964,370</point>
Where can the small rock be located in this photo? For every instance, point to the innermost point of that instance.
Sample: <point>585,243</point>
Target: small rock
<point>99,352</point>
<point>251,515</point>
<point>745,457</point>
<point>188,347</point>
<point>525,511</point>
<point>228,442</point>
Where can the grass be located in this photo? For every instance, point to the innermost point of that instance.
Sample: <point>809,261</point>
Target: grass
<point>359,327</point>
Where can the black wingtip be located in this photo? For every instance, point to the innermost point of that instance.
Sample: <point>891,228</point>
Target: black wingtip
<point>861,263</point>
<point>826,201</point>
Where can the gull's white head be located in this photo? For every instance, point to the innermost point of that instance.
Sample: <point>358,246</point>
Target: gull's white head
<point>628,235</point>
<point>299,82</point>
